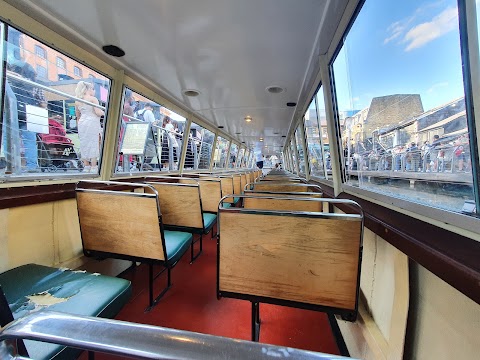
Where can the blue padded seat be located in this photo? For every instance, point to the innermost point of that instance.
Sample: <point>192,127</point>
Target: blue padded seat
<point>236,200</point>
<point>227,205</point>
<point>81,293</point>
<point>208,221</point>
<point>176,244</point>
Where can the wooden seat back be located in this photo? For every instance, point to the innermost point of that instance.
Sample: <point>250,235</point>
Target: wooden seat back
<point>243,182</point>
<point>180,204</point>
<point>237,184</point>
<point>274,186</point>
<point>210,192</point>
<point>292,258</point>
<point>282,179</point>
<point>284,201</point>
<point>103,227</point>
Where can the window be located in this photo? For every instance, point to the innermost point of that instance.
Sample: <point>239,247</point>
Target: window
<point>40,52</point>
<point>41,72</point>
<point>150,137</point>
<point>43,111</point>
<point>401,107</point>
<point>61,63</point>
<point>232,159</point>
<point>241,153</point>
<point>314,141</point>
<point>301,155</point>
<point>322,122</point>
<point>202,148</point>
<point>246,158</point>
<point>293,156</point>
<point>220,155</point>
<point>77,71</point>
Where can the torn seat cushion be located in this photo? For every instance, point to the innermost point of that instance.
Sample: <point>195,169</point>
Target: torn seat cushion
<point>35,287</point>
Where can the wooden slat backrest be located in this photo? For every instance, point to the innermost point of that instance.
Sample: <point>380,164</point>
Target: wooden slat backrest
<point>307,259</point>
<point>180,204</point>
<point>120,223</point>
<point>210,189</point>
<point>282,178</point>
<point>237,184</point>
<point>281,187</point>
<point>210,192</point>
<point>295,203</point>
<point>243,182</point>
<point>191,181</point>
<point>227,187</point>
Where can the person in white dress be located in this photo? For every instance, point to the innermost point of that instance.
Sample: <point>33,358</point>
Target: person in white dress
<point>88,125</point>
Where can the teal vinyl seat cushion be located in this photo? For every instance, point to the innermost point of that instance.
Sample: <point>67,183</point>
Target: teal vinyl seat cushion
<point>34,287</point>
<point>208,221</point>
<point>176,243</point>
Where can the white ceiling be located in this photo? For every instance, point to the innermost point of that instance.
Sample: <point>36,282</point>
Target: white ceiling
<point>229,50</point>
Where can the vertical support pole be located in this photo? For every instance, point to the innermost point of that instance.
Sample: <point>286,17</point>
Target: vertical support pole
<point>150,284</point>
<point>255,321</point>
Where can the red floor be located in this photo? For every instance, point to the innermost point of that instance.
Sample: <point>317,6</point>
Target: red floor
<point>191,304</point>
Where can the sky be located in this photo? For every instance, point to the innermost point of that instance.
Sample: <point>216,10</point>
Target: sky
<point>401,47</point>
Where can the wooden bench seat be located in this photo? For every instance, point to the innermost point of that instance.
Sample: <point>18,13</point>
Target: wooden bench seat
<point>128,225</point>
<point>31,287</point>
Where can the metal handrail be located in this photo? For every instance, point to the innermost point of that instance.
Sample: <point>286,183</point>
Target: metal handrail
<point>140,341</point>
<point>49,89</point>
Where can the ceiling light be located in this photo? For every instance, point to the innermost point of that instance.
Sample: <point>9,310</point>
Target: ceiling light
<point>261,139</point>
<point>238,133</point>
<point>248,118</point>
<point>113,50</point>
<point>275,89</point>
<point>191,92</point>
<point>291,104</point>
<point>220,126</point>
<point>284,135</point>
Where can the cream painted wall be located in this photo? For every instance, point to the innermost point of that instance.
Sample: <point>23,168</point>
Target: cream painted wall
<point>443,323</point>
<point>379,332</point>
<point>46,234</point>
